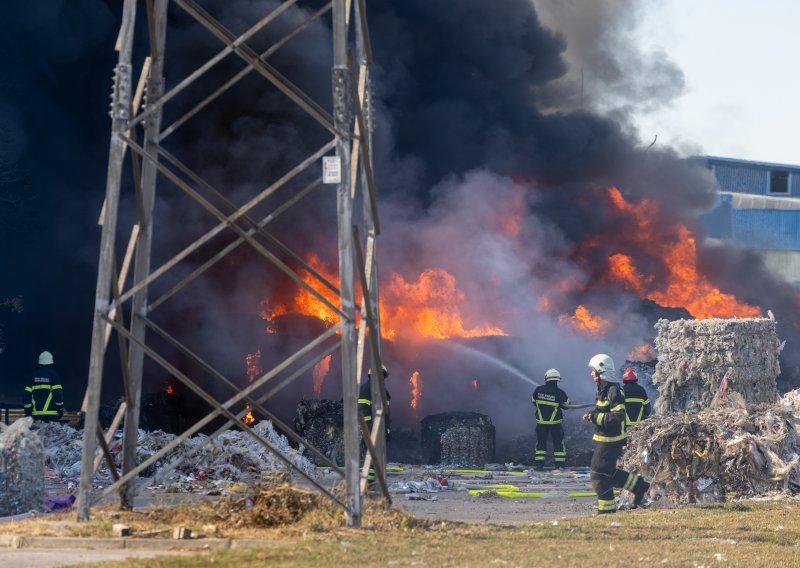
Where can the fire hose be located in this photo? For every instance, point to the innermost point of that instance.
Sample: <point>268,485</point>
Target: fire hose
<point>582,405</point>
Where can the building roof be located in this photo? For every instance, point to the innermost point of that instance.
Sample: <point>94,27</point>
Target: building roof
<point>750,163</point>
<point>753,201</point>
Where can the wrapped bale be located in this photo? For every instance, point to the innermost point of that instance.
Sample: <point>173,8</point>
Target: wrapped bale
<point>321,422</point>
<point>22,458</point>
<point>721,453</point>
<point>695,355</point>
<point>458,438</point>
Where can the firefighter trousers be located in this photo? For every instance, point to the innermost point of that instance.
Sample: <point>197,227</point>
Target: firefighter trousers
<point>605,475</point>
<point>556,433</point>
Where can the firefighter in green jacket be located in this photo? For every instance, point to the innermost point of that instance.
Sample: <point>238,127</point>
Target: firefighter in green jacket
<point>609,420</point>
<point>637,403</point>
<point>44,397</point>
<point>549,400</point>
<point>365,409</point>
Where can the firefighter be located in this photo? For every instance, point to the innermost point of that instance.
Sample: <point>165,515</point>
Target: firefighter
<point>609,421</point>
<point>549,401</point>
<point>365,409</point>
<point>637,405</point>
<point>44,397</point>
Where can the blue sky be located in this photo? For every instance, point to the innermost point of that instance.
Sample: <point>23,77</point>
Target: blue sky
<point>740,63</point>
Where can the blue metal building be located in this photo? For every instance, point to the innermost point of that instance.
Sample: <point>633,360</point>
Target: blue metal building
<point>759,209</point>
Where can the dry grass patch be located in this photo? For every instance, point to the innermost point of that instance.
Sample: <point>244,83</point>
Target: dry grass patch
<point>263,511</point>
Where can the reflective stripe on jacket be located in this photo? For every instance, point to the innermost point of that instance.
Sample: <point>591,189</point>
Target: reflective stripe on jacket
<point>609,416</point>
<point>365,404</point>
<point>637,405</point>
<point>549,400</point>
<point>44,397</point>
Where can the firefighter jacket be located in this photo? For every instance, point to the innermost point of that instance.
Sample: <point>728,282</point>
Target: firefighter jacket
<point>608,415</point>
<point>549,400</point>
<point>365,405</point>
<point>44,398</point>
<point>637,405</point>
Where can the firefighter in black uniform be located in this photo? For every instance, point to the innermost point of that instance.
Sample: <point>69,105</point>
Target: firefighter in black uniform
<point>549,401</point>
<point>44,397</point>
<point>637,404</point>
<point>365,408</point>
<point>609,420</point>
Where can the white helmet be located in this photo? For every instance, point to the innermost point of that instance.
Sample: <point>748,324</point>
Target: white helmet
<point>45,358</point>
<point>603,365</point>
<point>383,368</point>
<point>552,375</point>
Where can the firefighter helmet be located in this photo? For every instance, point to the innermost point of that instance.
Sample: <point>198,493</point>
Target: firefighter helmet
<point>45,358</point>
<point>629,375</point>
<point>603,365</point>
<point>383,369</point>
<point>552,375</point>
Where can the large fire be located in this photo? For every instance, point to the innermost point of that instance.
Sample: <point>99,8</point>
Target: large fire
<point>636,249</point>
<point>681,286</point>
<point>429,307</point>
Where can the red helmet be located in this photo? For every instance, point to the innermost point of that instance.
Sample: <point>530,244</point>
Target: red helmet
<point>629,375</point>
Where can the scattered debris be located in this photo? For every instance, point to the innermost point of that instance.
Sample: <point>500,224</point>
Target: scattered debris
<point>181,533</point>
<point>59,503</point>
<point>730,451</point>
<point>421,497</point>
<point>22,458</point>
<point>199,465</point>
<point>120,530</point>
<point>430,485</point>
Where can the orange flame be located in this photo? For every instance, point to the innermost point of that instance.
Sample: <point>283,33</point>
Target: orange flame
<point>416,391</point>
<point>253,361</point>
<point>249,419</point>
<point>170,389</point>
<point>306,303</point>
<point>643,354</point>
<point>681,286</point>
<point>586,322</point>
<point>474,384</point>
<point>623,270</point>
<point>429,307</point>
<point>320,372</point>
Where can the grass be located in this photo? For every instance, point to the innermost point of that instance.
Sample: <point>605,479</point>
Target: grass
<point>307,531</point>
<point>752,534</point>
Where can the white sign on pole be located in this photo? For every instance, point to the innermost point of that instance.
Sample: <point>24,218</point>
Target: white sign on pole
<point>331,169</point>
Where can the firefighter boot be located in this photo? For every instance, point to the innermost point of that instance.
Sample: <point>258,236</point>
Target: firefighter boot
<point>641,489</point>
